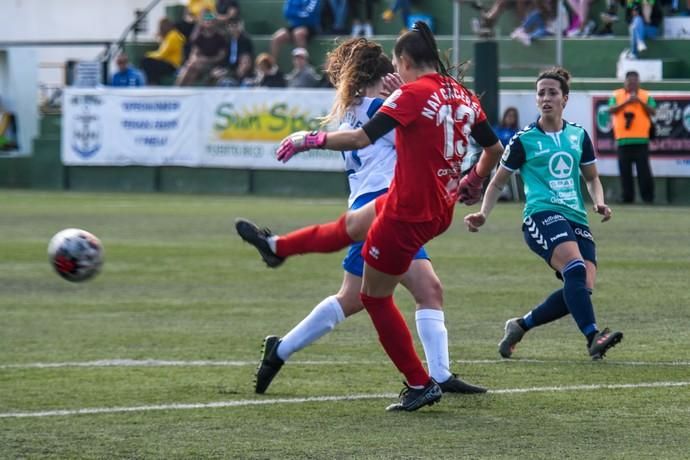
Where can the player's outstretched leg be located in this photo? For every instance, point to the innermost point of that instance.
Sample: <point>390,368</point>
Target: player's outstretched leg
<point>412,399</point>
<point>269,365</point>
<point>603,341</point>
<point>258,237</point>
<point>513,334</point>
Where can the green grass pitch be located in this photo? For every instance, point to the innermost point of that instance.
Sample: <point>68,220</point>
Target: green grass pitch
<point>184,304</point>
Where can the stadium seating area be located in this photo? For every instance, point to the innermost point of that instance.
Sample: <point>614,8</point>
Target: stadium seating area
<point>590,57</point>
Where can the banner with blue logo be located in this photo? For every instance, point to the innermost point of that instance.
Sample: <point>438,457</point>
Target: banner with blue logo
<point>130,127</point>
<point>205,127</point>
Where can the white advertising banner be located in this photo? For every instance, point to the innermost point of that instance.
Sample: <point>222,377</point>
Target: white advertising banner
<point>130,127</point>
<point>202,127</point>
<point>242,128</point>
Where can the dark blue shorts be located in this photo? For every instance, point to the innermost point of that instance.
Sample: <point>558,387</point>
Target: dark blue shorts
<point>545,230</point>
<point>353,261</point>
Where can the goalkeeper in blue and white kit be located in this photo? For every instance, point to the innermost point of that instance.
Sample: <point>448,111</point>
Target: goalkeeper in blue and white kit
<point>550,155</point>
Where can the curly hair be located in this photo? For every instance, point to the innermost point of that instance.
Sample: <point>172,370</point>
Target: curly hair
<point>559,74</point>
<point>352,66</point>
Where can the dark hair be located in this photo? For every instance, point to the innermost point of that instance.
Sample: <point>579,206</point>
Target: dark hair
<point>515,124</point>
<point>560,75</point>
<point>631,73</point>
<point>420,46</point>
<point>352,66</point>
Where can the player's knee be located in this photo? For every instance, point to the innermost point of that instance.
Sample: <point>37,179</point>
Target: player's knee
<point>350,303</point>
<point>575,272</point>
<point>429,293</point>
<point>354,226</point>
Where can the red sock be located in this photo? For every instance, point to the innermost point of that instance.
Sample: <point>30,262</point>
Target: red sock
<point>329,237</point>
<point>396,338</point>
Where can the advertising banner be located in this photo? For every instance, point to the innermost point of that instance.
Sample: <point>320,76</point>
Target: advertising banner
<point>130,127</point>
<point>669,149</point>
<point>202,127</point>
<point>242,129</point>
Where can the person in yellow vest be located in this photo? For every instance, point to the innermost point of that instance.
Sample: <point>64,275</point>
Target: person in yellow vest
<point>632,109</point>
<point>168,57</point>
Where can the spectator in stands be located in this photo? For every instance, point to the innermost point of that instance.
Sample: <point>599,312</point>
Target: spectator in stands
<point>186,26</point>
<point>238,68</point>
<point>484,25</point>
<point>579,24</point>
<point>535,25</point>
<point>209,48</point>
<point>508,126</point>
<point>8,130</point>
<point>339,12</point>
<point>608,17</point>
<point>362,25</point>
<point>303,74</point>
<point>227,10</point>
<point>303,18</point>
<point>165,61</point>
<point>398,6</point>
<point>126,75</point>
<point>267,72</point>
<point>632,109</point>
<point>645,18</point>
<point>197,8</point>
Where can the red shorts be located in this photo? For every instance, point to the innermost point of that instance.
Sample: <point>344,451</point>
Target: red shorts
<point>380,202</point>
<point>392,244</point>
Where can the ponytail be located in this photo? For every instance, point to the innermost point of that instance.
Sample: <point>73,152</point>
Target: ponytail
<point>420,46</point>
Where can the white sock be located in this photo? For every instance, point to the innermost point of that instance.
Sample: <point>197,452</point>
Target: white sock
<point>322,319</point>
<point>432,331</point>
<point>272,242</point>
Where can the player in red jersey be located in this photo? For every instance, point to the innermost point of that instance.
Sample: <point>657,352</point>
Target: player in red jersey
<point>434,117</point>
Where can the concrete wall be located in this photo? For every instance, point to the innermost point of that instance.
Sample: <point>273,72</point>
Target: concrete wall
<point>67,20</point>
<point>18,91</point>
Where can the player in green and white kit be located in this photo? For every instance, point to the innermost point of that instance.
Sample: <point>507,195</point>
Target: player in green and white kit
<point>550,154</point>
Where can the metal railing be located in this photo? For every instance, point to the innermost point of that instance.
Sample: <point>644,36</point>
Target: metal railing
<point>116,46</point>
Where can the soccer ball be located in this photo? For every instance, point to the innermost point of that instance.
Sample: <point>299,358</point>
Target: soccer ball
<point>75,254</point>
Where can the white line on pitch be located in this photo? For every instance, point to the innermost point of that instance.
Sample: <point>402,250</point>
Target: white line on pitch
<point>358,397</point>
<point>208,363</point>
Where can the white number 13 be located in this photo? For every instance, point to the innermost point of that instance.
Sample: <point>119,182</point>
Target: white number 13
<point>445,116</point>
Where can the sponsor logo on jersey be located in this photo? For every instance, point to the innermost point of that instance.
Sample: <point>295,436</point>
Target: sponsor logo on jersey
<point>542,150</point>
<point>558,237</point>
<point>583,233</point>
<point>446,172</point>
<point>561,184</point>
<point>552,219</point>
<point>561,165</point>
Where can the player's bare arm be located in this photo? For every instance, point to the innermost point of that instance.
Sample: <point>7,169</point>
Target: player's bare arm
<point>596,191</point>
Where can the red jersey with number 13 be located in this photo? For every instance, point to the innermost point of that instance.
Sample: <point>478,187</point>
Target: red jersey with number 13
<point>436,116</point>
